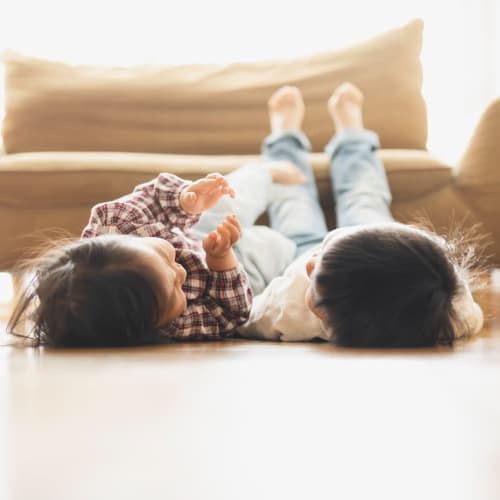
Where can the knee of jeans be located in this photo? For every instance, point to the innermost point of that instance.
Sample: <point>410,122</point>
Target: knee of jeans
<point>289,148</point>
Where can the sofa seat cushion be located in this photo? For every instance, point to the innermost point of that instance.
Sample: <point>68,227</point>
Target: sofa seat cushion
<point>209,109</point>
<point>47,179</point>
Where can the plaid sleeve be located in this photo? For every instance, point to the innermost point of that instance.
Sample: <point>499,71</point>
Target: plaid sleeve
<point>152,209</point>
<point>224,306</point>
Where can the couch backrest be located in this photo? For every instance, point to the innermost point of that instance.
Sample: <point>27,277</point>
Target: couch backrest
<point>209,109</point>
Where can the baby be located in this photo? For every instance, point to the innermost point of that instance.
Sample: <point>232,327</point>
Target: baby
<point>137,276</point>
<point>147,270</point>
<point>372,282</point>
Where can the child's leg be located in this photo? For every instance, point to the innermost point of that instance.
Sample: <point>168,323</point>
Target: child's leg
<point>294,210</point>
<point>360,184</point>
<point>252,183</point>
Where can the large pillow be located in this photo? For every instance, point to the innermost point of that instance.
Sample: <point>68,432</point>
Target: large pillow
<point>209,109</point>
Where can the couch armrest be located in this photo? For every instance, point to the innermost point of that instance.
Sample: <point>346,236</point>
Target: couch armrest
<point>477,176</point>
<point>479,168</point>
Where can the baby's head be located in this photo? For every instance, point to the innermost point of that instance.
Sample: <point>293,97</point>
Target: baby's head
<point>391,285</point>
<point>105,291</point>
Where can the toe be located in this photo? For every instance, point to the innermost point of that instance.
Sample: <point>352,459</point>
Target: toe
<point>347,90</point>
<point>285,96</point>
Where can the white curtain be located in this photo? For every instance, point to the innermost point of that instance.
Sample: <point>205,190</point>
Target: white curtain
<point>461,53</point>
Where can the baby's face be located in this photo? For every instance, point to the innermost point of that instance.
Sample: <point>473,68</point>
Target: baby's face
<point>158,257</point>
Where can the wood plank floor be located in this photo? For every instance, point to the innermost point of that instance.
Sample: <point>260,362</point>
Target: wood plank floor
<point>251,420</point>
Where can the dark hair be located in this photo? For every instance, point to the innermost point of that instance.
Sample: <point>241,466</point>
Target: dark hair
<point>388,287</point>
<point>86,294</point>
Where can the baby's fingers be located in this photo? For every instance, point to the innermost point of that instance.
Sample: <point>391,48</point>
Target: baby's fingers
<point>229,191</point>
<point>224,235</point>
<point>210,241</point>
<point>207,183</point>
<point>220,187</point>
<point>233,219</point>
<point>214,175</point>
<point>233,227</point>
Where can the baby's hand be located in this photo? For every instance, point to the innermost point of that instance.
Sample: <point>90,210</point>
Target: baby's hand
<point>218,244</point>
<point>205,193</point>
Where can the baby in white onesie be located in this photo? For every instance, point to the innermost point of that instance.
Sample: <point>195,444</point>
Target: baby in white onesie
<point>373,282</point>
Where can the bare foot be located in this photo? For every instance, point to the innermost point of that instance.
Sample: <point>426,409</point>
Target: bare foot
<point>286,109</point>
<point>346,106</point>
<point>285,172</point>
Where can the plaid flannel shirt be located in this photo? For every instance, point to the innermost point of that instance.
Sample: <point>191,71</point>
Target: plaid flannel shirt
<point>217,301</point>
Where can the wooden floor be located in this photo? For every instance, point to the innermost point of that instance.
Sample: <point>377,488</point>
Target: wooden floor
<point>251,420</point>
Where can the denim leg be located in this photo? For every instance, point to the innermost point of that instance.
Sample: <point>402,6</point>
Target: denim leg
<point>294,210</point>
<point>359,180</point>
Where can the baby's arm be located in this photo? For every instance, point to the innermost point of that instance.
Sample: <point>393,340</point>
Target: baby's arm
<point>225,301</point>
<point>218,245</point>
<point>158,206</point>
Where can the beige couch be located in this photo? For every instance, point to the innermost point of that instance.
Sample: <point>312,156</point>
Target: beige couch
<point>77,135</point>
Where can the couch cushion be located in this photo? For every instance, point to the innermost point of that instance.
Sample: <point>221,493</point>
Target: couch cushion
<point>83,179</point>
<point>209,109</point>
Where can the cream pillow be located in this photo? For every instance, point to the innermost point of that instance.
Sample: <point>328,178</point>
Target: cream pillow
<point>209,109</point>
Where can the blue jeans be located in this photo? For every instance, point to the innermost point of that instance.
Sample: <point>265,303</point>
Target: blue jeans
<point>359,182</point>
<point>297,221</point>
<point>294,210</point>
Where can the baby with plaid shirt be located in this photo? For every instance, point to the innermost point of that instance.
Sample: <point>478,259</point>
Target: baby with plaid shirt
<point>204,292</point>
<point>145,270</point>
<point>139,275</point>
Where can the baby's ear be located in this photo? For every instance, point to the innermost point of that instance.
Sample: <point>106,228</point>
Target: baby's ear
<point>310,265</point>
<point>310,305</point>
